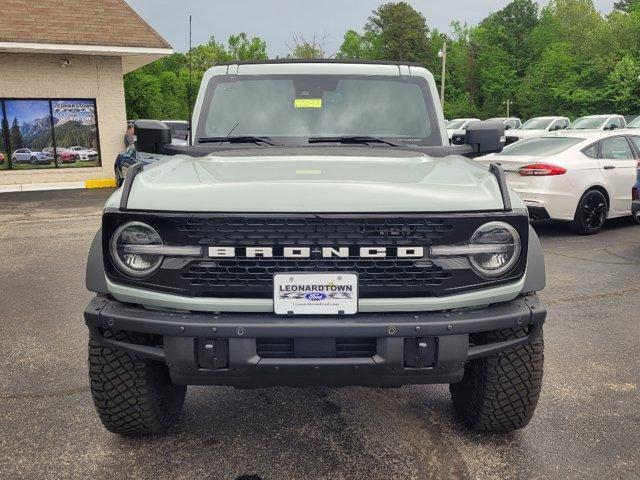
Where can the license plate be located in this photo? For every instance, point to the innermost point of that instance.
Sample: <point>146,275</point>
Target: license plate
<point>315,293</point>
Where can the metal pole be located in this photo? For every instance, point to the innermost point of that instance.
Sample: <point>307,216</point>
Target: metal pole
<point>190,108</point>
<point>444,72</point>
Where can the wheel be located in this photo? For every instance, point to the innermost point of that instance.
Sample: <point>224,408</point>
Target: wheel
<point>132,395</point>
<point>34,160</point>
<point>591,213</point>
<point>499,393</point>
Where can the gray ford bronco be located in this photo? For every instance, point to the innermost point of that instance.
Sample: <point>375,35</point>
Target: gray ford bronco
<point>318,229</point>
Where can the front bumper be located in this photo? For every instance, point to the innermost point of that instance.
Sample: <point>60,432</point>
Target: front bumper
<point>222,349</point>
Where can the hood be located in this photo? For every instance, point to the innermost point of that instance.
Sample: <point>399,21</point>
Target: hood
<point>315,180</point>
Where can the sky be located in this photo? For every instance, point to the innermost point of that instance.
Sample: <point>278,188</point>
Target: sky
<point>26,110</point>
<point>277,21</point>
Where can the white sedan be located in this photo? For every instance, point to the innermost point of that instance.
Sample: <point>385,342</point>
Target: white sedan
<point>458,125</point>
<point>580,177</point>
<point>86,154</point>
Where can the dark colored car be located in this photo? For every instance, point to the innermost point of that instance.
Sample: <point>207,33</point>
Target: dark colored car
<point>126,159</point>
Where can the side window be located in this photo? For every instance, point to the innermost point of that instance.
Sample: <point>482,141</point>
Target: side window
<point>636,142</point>
<point>616,148</point>
<point>618,122</point>
<point>591,151</point>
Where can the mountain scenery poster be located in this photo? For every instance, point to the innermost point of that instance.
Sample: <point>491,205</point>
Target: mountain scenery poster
<point>75,128</point>
<point>55,133</point>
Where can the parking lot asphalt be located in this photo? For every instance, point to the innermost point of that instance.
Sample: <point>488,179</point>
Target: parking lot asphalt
<point>587,424</point>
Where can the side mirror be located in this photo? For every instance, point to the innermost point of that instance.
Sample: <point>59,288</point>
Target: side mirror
<point>152,136</point>
<point>507,127</point>
<point>613,126</point>
<point>485,137</point>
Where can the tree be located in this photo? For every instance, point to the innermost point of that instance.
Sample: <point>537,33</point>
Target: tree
<point>509,30</point>
<point>15,135</point>
<point>243,48</point>
<point>358,47</point>
<point>627,6</point>
<point>399,33</point>
<point>160,90</point>
<point>306,49</point>
<point>623,87</point>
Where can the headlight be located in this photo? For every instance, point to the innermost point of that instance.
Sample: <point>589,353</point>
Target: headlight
<point>504,240</point>
<point>132,247</point>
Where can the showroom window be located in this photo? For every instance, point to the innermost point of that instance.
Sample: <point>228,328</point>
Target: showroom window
<point>48,133</point>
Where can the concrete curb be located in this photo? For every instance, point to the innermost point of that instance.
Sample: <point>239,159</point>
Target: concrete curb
<point>35,187</point>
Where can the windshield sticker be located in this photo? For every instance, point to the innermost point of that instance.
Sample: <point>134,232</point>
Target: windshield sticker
<point>307,103</point>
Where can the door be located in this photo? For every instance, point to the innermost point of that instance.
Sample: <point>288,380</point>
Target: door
<point>618,166</point>
<point>21,155</point>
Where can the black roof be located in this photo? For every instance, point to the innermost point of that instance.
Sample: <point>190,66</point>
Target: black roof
<point>319,60</point>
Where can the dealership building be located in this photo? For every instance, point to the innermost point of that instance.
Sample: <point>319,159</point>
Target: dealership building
<point>62,105</point>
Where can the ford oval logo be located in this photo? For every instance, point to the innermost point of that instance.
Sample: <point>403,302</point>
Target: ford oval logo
<point>315,296</point>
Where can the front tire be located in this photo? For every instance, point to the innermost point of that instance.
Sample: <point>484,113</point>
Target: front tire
<point>591,213</point>
<point>499,393</point>
<point>132,395</point>
<point>34,160</point>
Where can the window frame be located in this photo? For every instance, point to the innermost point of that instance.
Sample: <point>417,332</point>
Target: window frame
<point>624,137</point>
<point>5,139</point>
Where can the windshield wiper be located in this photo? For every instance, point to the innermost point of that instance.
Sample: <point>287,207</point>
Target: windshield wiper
<point>237,139</point>
<point>363,139</point>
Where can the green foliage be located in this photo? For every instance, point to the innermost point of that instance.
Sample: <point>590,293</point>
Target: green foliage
<point>74,133</point>
<point>627,5</point>
<point>306,49</point>
<point>565,59</point>
<point>398,32</point>
<point>161,90</point>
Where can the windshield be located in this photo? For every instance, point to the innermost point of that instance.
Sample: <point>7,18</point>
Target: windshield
<point>455,124</point>
<point>587,123</point>
<point>536,124</point>
<point>292,108</point>
<point>540,146</point>
<point>635,123</point>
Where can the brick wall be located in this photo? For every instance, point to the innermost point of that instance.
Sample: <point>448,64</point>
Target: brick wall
<point>41,76</point>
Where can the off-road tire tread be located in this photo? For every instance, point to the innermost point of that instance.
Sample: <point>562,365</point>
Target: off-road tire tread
<point>132,395</point>
<point>499,393</point>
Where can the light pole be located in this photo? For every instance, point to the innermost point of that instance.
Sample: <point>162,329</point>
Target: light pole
<point>508,103</point>
<point>443,55</point>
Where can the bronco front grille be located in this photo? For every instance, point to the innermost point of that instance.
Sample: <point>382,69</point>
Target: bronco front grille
<point>241,277</point>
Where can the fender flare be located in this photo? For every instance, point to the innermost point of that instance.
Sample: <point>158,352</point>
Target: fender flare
<point>95,279</point>
<point>535,277</point>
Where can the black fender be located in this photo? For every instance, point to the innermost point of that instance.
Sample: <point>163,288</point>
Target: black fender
<point>536,277</point>
<point>95,279</point>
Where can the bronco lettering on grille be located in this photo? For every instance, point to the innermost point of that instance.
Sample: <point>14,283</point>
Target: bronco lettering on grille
<point>324,252</point>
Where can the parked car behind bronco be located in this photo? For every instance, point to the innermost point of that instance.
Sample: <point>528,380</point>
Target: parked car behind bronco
<point>319,231</point>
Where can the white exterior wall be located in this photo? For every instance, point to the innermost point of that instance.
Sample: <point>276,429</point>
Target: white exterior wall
<point>33,76</point>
